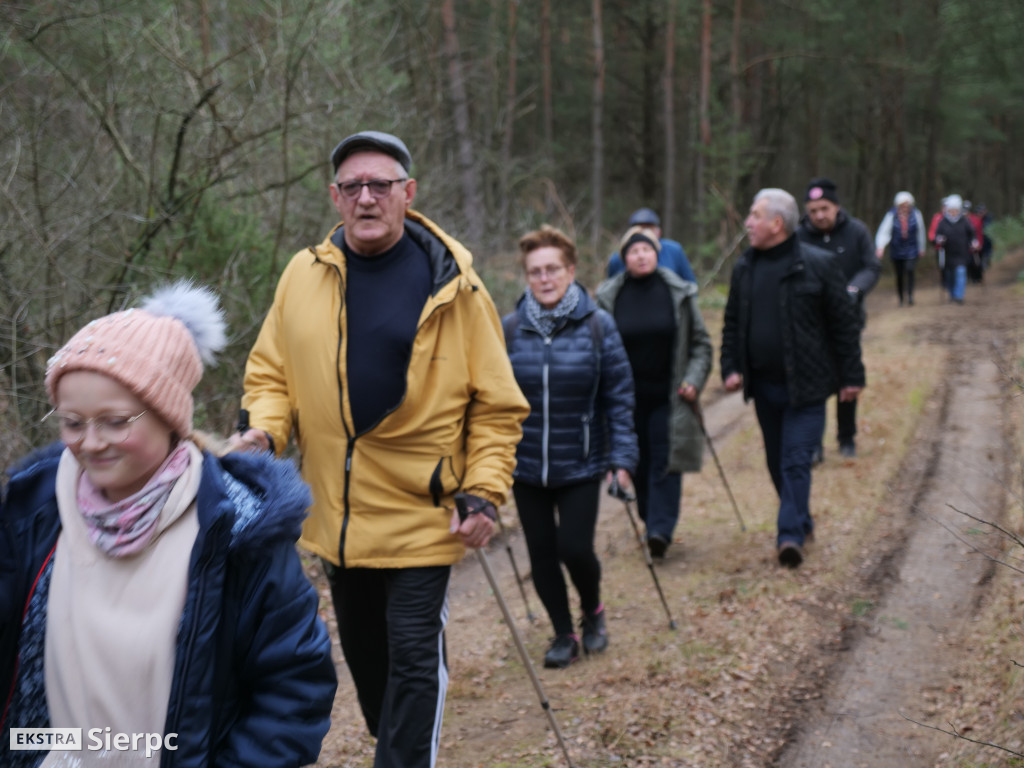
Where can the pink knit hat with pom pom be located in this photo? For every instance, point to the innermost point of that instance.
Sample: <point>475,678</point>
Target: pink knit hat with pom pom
<point>157,351</point>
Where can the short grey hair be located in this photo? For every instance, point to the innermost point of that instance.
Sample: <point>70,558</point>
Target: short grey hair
<point>778,202</point>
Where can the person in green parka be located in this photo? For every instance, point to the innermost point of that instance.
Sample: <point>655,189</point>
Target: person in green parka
<point>669,350</point>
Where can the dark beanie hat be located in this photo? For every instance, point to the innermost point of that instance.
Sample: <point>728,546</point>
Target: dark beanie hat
<point>638,235</point>
<point>822,189</point>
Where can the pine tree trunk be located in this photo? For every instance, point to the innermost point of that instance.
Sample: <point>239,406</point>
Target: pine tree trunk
<point>597,128</point>
<point>705,116</point>
<point>669,84</point>
<point>510,119</point>
<point>472,202</point>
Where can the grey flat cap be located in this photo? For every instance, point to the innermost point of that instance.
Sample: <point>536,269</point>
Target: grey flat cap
<point>382,142</point>
<point>644,217</point>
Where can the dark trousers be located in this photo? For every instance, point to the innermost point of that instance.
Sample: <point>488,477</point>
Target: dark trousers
<point>658,491</point>
<point>904,269</point>
<point>391,623</point>
<point>559,527</point>
<point>790,436</point>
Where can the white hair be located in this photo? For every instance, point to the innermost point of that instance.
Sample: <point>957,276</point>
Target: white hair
<point>778,202</point>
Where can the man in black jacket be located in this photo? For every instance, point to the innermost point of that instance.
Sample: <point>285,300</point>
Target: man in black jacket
<point>828,226</point>
<point>790,339</point>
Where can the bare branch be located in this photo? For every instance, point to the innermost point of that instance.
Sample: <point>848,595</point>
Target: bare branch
<point>82,88</point>
<point>970,544</point>
<point>954,732</point>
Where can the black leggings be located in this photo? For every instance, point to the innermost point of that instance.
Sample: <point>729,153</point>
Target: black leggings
<point>904,267</point>
<point>566,538</point>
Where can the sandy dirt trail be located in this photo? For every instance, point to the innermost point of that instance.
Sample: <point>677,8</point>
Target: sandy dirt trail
<point>905,656</point>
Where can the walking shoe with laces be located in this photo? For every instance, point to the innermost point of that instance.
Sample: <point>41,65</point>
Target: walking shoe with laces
<point>595,634</point>
<point>563,651</point>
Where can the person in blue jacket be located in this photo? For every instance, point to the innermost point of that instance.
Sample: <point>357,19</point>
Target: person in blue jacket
<point>670,253</point>
<point>148,588</point>
<point>569,362</point>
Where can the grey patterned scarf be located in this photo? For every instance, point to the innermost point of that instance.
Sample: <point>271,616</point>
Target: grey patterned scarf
<point>546,320</point>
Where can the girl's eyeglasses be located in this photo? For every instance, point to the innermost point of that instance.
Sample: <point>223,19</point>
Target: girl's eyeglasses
<point>110,427</point>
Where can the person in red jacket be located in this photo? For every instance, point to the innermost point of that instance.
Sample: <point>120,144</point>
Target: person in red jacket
<point>975,268</point>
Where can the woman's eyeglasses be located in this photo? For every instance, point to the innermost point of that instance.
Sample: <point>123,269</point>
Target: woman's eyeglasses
<point>539,273</point>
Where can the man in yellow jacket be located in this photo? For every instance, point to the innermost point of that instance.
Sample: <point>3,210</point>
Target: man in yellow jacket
<point>383,355</point>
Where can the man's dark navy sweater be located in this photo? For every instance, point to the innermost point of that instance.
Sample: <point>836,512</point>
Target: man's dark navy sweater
<point>384,297</point>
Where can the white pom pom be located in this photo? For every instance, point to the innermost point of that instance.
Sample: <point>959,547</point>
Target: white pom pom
<point>198,308</point>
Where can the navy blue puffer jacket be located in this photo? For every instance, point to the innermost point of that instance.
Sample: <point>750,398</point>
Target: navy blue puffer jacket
<point>253,678</point>
<point>581,418</point>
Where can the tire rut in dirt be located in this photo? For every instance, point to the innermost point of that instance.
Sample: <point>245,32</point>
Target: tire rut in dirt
<point>924,582</point>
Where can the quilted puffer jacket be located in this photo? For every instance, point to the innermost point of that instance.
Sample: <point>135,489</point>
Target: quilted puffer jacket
<point>820,328</point>
<point>581,419</point>
<point>253,677</point>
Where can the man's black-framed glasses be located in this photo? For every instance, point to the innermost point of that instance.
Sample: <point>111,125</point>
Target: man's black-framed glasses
<point>378,187</point>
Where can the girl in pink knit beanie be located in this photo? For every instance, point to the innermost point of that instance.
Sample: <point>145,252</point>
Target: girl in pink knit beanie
<point>122,390</point>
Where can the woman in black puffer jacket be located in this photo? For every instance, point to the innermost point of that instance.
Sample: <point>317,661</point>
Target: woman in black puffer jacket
<point>570,364</point>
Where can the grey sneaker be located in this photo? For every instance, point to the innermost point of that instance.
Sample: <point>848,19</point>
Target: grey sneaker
<point>563,651</point>
<point>848,450</point>
<point>595,634</point>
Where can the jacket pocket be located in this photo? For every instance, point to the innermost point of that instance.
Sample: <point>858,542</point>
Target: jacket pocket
<point>444,480</point>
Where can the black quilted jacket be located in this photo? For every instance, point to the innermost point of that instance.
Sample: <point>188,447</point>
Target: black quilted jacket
<point>820,336</point>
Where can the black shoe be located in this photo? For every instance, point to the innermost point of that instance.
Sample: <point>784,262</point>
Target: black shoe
<point>848,450</point>
<point>910,301</point>
<point>790,554</point>
<point>818,457</point>
<point>595,634</point>
<point>563,651</point>
<point>658,545</point>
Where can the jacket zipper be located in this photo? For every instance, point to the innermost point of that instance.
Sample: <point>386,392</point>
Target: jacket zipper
<point>193,629</point>
<point>350,446</point>
<point>349,450</point>
<point>544,438</point>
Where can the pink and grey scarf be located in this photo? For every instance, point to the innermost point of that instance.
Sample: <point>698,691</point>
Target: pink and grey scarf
<point>127,526</point>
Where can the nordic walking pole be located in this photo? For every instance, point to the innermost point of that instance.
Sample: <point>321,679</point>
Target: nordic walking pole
<point>699,413</point>
<point>616,490</point>
<point>485,563</point>
<point>515,570</point>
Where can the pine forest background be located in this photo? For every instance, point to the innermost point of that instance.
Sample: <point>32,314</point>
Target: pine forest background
<point>141,140</point>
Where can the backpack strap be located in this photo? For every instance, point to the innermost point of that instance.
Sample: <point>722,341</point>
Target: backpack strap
<point>509,326</point>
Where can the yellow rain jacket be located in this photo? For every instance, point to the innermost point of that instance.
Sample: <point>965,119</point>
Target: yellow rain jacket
<point>383,498</point>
